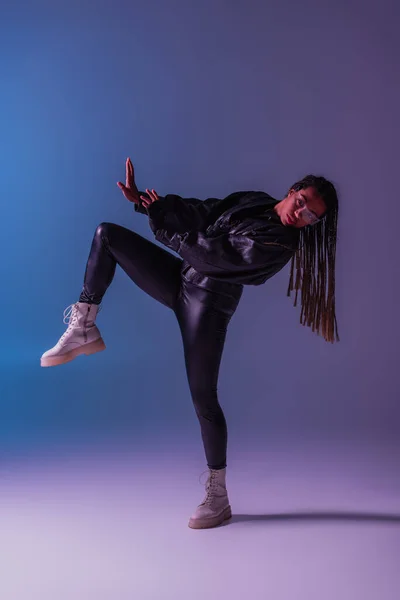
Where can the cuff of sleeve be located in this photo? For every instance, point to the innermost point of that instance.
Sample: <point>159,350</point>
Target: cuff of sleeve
<point>156,215</point>
<point>140,208</point>
<point>154,208</point>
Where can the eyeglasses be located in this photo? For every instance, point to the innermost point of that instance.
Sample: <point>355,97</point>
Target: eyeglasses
<point>308,215</point>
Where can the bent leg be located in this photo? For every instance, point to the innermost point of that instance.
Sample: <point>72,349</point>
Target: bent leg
<point>153,269</point>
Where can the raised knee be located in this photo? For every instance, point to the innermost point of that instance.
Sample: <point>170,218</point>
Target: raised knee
<point>103,230</point>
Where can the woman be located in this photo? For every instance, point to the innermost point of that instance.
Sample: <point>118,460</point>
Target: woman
<point>223,245</point>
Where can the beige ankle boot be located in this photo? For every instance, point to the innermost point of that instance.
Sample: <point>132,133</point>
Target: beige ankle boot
<point>215,508</point>
<point>81,337</point>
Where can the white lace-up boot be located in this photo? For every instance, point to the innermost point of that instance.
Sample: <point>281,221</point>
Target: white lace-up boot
<point>215,508</point>
<point>81,337</point>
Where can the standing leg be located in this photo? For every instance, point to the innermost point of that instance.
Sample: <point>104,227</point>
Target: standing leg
<point>203,317</point>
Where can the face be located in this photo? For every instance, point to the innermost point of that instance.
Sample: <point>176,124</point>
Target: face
<point>301,208</point>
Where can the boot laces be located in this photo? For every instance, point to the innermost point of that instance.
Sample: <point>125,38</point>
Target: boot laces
<point>211,486</point>
<point>70,318</point>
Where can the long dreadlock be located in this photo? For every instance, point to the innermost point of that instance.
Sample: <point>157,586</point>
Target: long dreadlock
<point>314,262</point>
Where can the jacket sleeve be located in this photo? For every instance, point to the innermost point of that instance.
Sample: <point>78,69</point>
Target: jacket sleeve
<point>228,255</point>
<point>179,214</point>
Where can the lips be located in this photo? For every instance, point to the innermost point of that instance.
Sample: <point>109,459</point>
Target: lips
<point>290,220</point>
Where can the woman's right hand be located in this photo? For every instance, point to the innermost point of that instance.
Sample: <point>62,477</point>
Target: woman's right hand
<point>129,190</point>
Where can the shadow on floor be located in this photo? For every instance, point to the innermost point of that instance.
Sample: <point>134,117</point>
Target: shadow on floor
<point>319,517</point>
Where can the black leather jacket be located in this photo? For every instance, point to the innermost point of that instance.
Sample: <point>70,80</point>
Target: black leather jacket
<point>239,240</point>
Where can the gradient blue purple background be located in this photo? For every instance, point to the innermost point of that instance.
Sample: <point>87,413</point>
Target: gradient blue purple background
<point>206,98</point>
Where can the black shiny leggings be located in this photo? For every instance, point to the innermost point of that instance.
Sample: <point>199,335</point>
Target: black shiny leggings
<point>203,316</point>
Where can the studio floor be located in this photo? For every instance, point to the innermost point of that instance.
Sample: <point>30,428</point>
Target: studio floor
<point>310,521</point>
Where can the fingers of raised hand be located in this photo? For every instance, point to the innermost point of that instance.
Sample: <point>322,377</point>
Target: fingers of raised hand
<point>129,173</point>
<point>152,197</point>
<point>145,201</point>
<point>153,194</point>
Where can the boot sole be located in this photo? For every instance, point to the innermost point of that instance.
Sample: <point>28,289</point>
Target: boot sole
<point>207,523</point>
<point>92,348</point>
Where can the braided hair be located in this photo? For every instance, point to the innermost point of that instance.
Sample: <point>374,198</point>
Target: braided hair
<point>314,262</point>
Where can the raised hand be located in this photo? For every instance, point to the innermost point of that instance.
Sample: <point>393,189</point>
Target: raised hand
<point>129,190</point>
